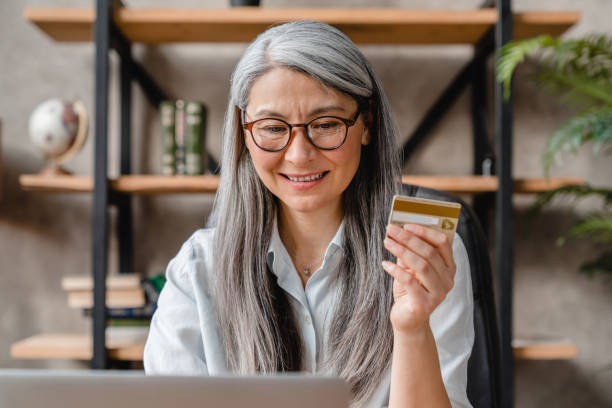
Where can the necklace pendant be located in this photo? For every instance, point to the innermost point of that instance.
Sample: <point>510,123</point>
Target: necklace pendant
<point>306,272</point>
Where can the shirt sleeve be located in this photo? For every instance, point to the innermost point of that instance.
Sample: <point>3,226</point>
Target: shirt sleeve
<point>174,345</point>
<point>452,324</point>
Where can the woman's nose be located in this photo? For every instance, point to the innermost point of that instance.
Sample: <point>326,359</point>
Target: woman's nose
<point>300,150</point>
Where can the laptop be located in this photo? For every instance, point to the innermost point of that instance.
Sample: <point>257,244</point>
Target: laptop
<point>121,389</point>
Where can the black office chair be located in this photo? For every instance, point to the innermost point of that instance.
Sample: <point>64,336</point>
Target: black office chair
<point>483,386</point>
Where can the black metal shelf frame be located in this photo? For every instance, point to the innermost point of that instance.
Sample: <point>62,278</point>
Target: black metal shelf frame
<point>107,37</point>
<point>486,161</point>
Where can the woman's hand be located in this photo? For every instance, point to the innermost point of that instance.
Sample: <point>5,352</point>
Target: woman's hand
<point>423,275</point>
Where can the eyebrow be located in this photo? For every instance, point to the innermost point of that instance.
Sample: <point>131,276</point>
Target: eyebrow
<point>322,109</point>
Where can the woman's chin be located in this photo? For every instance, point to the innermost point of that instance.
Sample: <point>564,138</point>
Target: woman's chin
<point>306,205</point>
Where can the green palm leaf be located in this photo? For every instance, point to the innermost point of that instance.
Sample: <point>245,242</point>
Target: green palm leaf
<point>602,264</point>
<point>574,192</point>
<point>584,65</point>
<point>594,125</point>
<point>515,52</point>
<point>597,228</point>
<point>575,88</point>
<point>580,71</point>
<point>587,57</point>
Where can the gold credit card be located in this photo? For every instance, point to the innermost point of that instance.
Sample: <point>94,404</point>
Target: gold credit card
<point>442,216</point>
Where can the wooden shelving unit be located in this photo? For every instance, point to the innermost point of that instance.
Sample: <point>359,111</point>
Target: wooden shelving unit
<point>363,26</point>
<point>152,184</point>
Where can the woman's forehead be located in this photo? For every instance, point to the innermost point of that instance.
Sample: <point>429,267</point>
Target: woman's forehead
<point>282,90</point>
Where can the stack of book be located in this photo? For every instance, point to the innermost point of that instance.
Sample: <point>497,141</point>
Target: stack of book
<point>122,291</point>
<point>130,300</point>
<point>183,125</point>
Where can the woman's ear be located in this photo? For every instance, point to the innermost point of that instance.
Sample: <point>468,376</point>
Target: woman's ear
<point>368,121</point>
<point>365,136</point>
<point>241,133</point>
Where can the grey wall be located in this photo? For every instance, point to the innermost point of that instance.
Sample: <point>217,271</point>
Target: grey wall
<point>43,237</point>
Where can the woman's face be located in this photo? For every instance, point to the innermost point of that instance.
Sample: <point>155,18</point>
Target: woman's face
<point>298,98</point>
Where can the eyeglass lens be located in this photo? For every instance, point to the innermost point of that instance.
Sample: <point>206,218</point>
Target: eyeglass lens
<point>324,132</point>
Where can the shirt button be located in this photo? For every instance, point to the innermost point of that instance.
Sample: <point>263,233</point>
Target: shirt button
<point>308,320</point>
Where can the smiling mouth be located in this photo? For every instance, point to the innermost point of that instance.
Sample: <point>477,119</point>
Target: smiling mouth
<point>305,179</point>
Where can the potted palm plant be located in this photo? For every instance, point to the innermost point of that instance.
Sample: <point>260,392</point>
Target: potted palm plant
<point>580,71</point>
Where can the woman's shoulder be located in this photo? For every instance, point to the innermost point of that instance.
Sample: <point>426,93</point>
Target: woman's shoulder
<point>201,241</point>
<point>195,259</point>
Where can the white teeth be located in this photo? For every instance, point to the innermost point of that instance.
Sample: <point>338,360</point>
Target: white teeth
<point>308,178</point>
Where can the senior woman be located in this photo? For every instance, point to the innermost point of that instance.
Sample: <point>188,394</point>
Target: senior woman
<point>292,275</point>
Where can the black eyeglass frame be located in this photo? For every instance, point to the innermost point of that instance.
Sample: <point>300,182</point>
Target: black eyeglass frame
<point>347,122</point>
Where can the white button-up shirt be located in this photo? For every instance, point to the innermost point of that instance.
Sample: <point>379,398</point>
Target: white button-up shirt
<point>184,338</point>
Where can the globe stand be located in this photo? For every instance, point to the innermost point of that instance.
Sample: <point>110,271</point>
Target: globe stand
<point>54,170</point>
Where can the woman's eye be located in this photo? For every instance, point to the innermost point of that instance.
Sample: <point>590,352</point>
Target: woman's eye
<point>274,129</point>
<point>326,125</point>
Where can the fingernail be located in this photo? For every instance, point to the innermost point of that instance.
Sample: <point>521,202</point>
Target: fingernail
<point>387,265</point>
<point>393,229</point>
<point>410,227</point>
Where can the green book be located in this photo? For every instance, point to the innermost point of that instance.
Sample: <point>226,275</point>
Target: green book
<point>179,136</point>
<point>195,118</point>
<point>168,145</point>
<point>128,322</point>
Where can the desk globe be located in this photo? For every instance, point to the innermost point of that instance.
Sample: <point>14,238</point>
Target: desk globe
<point>59,130</point>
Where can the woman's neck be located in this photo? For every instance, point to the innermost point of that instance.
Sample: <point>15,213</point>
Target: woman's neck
<point>306,235</point>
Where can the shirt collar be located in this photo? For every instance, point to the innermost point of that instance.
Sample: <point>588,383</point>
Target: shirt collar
<point>278,252</point>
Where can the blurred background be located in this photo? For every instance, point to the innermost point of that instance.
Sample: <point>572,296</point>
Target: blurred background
<point>44,237</point>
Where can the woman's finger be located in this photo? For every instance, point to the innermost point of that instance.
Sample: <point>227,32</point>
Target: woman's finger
<point>435,238</point>
<point>422,270</point>
<point>418,246</point>
<point>412,303</point>
<point>407,280</point>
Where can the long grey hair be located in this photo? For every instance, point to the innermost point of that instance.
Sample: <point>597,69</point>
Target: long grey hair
<point>259,330</point>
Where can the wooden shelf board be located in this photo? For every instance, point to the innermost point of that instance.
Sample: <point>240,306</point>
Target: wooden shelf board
<point>485,184</point>
<point>363,26</point>
<point>544,349</point>
<point>63,24</point>
<point>152,184</point>
<point>72,347</point>
<point>56,184</point>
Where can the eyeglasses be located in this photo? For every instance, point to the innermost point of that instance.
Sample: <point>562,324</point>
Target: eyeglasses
<point>324,132</point>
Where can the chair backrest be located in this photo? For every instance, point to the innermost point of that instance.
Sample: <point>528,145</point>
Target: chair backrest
<point>483,386</point>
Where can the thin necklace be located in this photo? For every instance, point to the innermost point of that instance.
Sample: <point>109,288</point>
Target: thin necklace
<point>308,268</point>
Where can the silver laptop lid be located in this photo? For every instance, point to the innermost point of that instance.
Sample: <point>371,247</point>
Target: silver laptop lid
<point>120,389</point>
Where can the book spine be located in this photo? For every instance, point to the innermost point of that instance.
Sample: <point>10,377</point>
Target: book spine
<point>128,322</point>
<point>179,136</point>
<point>168,144</point>
<point>203,150</point>
<point>194,140</point>
<point>145,312</point>
<point>158,282</point>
